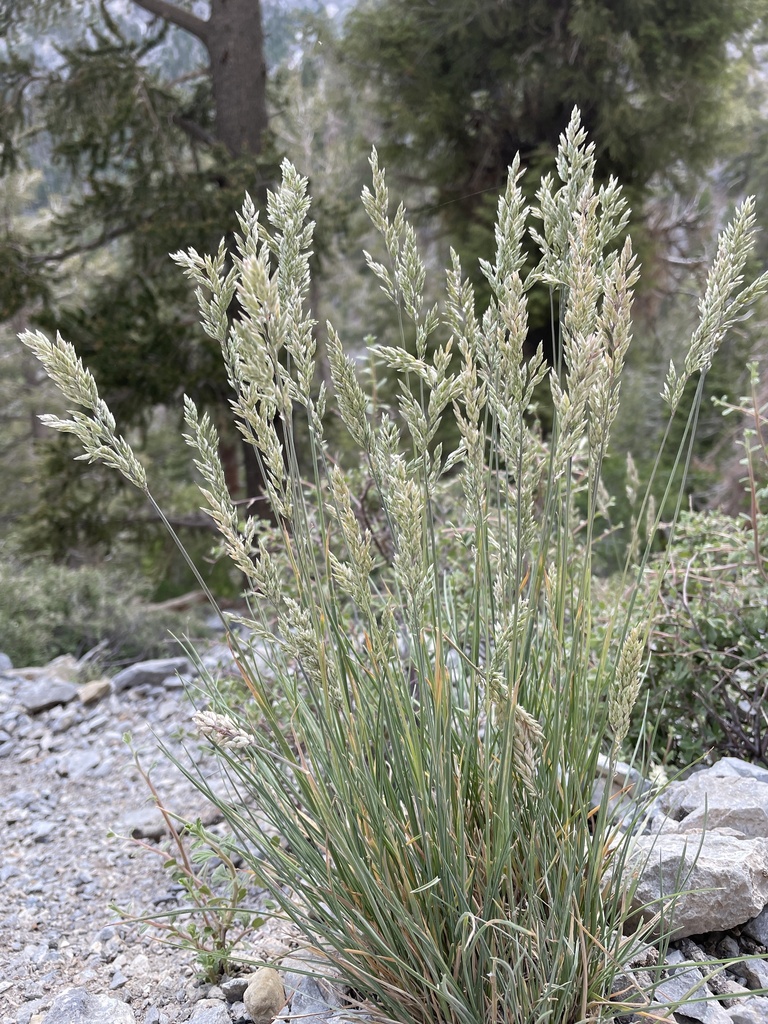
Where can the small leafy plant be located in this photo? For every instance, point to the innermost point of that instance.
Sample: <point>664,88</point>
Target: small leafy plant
<point>449,695</point>
<point>214,886</point>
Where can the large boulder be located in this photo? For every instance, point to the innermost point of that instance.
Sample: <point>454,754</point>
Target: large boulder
<point>721,877</point>
<point>719,799</point>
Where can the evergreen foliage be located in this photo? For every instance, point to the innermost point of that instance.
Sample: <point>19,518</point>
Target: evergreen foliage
<point>461,86</point>
<point>146,163</point>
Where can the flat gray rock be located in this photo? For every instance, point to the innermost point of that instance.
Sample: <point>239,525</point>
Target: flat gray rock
<point>313,999</point>
<point>145,823</point>
<point>78,1006</point>
<point>234,989</point>
<point>46,693</point>
<point>753,971</point>
<point>78,763</point>
<point>42,831</point>
<point>686,986</point>
<point>150,673</point>
<point>757,928</point>
<point>749,1011</point>
<point>210,1011</point>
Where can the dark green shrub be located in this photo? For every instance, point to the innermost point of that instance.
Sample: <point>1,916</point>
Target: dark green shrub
<point>708,672</point>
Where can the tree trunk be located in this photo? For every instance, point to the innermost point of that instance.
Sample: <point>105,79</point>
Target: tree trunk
<point>235,43</point>
<point>233,36</point>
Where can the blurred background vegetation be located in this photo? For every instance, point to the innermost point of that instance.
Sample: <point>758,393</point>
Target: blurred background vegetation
<point>131,128</point>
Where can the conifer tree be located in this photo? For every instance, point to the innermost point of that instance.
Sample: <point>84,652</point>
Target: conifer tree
<point>461,86</point>
<point>152,128</point>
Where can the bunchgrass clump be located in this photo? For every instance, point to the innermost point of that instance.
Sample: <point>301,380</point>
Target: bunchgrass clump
<point>449,698</point>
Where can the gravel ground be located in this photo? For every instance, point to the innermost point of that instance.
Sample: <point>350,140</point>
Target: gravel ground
<point>68,779</point>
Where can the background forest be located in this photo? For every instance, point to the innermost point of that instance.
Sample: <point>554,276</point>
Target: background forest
<point>130,129</point>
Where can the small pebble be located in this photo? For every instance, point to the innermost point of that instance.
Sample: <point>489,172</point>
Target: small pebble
<point>233,989</point>
<point>265,996</point>
<point>118,980</point>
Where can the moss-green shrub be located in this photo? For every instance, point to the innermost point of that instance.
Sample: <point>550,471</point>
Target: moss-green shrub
<point>47,610</point>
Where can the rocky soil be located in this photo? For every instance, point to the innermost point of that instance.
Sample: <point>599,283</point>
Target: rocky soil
<point>67,782</point>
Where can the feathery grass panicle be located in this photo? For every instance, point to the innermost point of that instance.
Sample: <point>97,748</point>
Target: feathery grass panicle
<point>447,693</point>
<point>208,274</point>
<point>470,452</point>
<point>353,576</point>
<point>558,209</point>
<point>614,337</point>
<point>528,735</point>
<point>202,436</point>
<point>626,683</point>
<point>222,729</point>
<point>287,210</point>
<point>96,433</point>
<point>725,301</point>
<point>351,400</point>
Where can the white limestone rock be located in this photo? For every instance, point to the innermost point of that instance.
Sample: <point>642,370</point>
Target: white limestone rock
<point>735,766</point>
<point>210,1011</point>
<point>720,801</point>
<point>78,1006</point>
<point>749,1011</point>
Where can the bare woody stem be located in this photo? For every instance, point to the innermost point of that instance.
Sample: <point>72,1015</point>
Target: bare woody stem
<point>176,16</point>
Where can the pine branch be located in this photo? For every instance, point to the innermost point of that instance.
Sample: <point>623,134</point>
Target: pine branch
<point>80,249</point>
<point>176,16</point>
<point>195,132</point>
